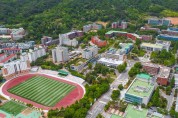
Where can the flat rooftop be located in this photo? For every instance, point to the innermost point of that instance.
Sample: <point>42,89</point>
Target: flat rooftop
<point>143,76</point>
<point>110,61</point>
<point>134,112</point>
<point>140,88</point>
<point>112,31</point>
<point>164,72</point>
<point>150,65</point>
<point>152,45</point>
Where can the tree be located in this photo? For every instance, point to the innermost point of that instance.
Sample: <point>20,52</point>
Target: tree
<point>115,94</point>
<point>120,87</point>
<point>122,67</point>
<point>99,116</point>
<point>172,82</point>
<point>168,90</point>
<point>138,65</point>
<point>138,42</point>
<point>69,113</point>
<point>90,66</point>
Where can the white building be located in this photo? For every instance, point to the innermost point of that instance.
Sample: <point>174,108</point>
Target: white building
<point>36,53</point>
<point>110,62</point>
<point>24,56</point>
<point>166,44</point>
<point>90,52</point>
<point>65,40</point>
<point>14,68</point>
<point>176,108</point>
<point>176,80</point>
<point>60,54</point>
<point>151,47</point>
<point>17,34</point>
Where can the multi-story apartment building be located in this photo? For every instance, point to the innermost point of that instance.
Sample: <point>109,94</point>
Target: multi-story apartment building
<point>90,52</point>
<point>14,68</point>
<point>36,53</point>
<point>60,54</point>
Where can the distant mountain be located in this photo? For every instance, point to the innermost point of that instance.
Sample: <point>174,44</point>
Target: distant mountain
<point>51,17</point>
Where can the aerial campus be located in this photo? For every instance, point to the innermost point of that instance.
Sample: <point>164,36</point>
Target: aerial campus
<point>113,73</point>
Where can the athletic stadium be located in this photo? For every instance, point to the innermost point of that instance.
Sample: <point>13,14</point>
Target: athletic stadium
<point>43,91</point>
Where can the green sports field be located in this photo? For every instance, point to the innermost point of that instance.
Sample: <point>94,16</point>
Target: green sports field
<point>42,90</point>
<point>12,107</point>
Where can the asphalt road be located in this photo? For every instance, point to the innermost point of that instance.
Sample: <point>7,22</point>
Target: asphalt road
<point>98,106</point>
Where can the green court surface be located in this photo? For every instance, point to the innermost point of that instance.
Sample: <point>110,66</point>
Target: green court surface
<point>42,90</point>
<point>12,107</point>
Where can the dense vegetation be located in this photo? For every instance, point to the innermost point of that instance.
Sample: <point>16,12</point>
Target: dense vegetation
<point>163,57</point>
<point>51,17</point>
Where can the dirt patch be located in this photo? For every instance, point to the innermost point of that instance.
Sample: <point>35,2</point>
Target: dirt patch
<point>174,20</point>
<point>102,23</point>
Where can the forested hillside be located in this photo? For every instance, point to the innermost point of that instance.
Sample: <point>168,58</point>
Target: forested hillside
<point>51,17</point>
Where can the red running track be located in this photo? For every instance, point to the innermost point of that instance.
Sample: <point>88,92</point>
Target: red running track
<point>69,99</point>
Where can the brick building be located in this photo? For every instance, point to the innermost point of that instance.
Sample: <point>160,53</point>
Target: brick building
<point>151,68</point>
<point>163,76</point>
<point>95,40</point>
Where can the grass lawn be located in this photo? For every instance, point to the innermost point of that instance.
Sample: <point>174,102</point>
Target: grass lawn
<point>42,90</point>
<point>12,107</point>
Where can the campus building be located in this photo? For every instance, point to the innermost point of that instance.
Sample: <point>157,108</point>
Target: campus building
<point>169,31</point>
<point>110,62</point>
<point>69,38</point>
<point>100,43</point>
<point>47,41</point>
<point>167,37</point>
<point>14,68</point>
<point>159,22</point>
<point>149,29</point>
<point>90,52</point>
<point>12,50</point>
<point>150,68</point>
<point>121,25</point>
<point>111,34</point>
<point>158,46</point>
<point>140,91</point>
<point>151,47</point>
<point>60,54</point>
<point>79,65</point>
<point>163,76</point>
<point>26,45</point>
<point>6,58</point>
<point>93,26</point>
<point>15,34</point>
<point>146,37</point>
<point>125,48</point>
<point>176,107</point>
<point>33,55</point>
<point>176,80</point>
